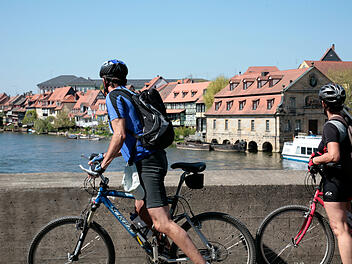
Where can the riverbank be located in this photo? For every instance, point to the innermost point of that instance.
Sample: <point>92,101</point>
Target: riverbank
<point>29,201</point>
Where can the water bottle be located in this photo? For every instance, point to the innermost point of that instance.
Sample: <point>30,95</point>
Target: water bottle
<point>141,226</point>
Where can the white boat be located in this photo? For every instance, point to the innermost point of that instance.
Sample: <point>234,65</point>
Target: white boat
<point>301,148</point>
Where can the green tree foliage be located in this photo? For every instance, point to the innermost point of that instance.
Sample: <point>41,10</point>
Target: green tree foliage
<point>345,79</point>
<point>30,117</point>
<point>182,132</point>
<point>41,126</point>
<point>63,121</point>
<point>213,88</point>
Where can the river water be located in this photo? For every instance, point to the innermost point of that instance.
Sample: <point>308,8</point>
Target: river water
<point>26,153</point>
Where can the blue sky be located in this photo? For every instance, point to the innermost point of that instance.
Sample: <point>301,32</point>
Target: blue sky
<point>175,39</point>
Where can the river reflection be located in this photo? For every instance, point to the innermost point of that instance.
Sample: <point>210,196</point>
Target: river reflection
<point>24,153</point>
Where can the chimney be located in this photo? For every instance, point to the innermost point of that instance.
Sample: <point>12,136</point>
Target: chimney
<point>312,64</point>
<point>333,47</point>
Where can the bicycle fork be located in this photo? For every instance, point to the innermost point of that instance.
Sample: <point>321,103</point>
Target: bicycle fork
<point>87,221</point>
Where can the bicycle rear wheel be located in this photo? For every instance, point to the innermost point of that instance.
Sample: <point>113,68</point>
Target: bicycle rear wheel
<point>231,239</point>
<point>277,231</point>
<point>57,240</point>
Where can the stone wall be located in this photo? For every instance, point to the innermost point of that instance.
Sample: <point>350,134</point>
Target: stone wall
<point>25,211</point>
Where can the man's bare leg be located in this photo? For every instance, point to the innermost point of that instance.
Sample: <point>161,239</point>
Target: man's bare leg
<point>336,212</point>
<point>163,223</point>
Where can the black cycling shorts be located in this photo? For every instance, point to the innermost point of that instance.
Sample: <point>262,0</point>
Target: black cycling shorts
<point>152,171</point>
<point>337,190</point>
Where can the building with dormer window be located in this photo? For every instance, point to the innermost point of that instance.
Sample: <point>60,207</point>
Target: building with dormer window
<point>266,106</point>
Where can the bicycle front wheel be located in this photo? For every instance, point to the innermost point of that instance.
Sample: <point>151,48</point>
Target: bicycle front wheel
<point>275,237</point>
<point>231,240</point>
<point>57,241</point>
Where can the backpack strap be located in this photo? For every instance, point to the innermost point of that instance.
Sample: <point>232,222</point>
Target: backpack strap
<point>340,123</point>
<point>128,95</point>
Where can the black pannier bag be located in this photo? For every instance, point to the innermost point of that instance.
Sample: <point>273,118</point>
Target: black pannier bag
<point>158,132</point>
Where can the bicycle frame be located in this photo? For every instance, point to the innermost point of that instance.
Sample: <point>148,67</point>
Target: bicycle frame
<point>309,217</point>
<point>102,198</point>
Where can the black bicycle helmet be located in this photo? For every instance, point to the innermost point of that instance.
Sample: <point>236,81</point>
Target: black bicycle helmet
<point>114,69</point>
<point>332,94</point>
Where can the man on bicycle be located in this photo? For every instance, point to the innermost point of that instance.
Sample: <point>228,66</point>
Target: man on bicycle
<point>335,147</point>
<point>151,164</point>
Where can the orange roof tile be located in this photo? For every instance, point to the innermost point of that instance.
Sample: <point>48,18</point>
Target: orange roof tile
<point>287,77</point>
<point>59,93</point>
<point>174,111</point>
<point>259,69</point>
<point>248,107</point>
<point>184,92</point>
<point>87,99</point>
<point>327,67</point>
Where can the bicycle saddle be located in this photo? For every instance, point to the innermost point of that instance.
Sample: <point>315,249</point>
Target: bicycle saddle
<point>189,167</point>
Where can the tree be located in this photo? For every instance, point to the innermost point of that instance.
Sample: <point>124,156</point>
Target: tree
<point>345,79</point>
<point>214,87</point>
<point>41,126</point>
<point>63,121</point>
<point>30,117</point>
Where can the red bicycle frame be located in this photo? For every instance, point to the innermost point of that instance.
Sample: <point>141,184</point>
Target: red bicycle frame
<point>309,217</point>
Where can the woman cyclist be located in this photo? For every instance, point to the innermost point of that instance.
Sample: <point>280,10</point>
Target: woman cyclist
<point>336,148</point>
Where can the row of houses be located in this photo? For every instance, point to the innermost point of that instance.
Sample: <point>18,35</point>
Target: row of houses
<point>264,106</point>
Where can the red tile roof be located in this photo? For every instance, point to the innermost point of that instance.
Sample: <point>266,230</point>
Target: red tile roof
<point>248,107</point>
<point>87,99</point>
<point>59,93</point>
<point>327,67</point>
<point>259,69</point>
<point>174,111</point>
<point>182,93</point>
<point>285,78</point>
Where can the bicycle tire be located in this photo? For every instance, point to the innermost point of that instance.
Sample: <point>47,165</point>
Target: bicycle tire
<point>220,229</point>
<point>275,236</point>
<point>58,238</point>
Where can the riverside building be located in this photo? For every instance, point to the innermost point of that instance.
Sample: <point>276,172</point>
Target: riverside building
<point>266,107</point>
<point>181,103</point>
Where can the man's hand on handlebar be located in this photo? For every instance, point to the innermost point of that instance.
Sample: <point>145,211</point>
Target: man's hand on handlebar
<point>96,158</point>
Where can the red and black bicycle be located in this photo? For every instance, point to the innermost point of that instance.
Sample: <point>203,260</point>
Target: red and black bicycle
<point>296,233</point>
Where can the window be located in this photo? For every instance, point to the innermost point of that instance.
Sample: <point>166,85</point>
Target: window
<point>193,93</point>
<point>242,104</point>
<point>229,105</point>
<point>252,125</point>
<point>175,94</point>
<point>204,91</point>
<point>233,86</point>
<point>255,104</point>
<point>245,85</point>
<point>239,124</point>
<point>217,105</point>
<point>259,84</point>
<point>288,126</point>
<point>270,103</point>
<point>214,124</point>
<point>309,151</point>
<point>303,150</point>
<point>184,94</point>
<point>292,102</point>
<point>271,82</point>
<point>267,125</point>
<point>298,126</point>
<point>226,124</point>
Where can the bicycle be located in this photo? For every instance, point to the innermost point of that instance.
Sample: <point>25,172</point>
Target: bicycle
<point>218,236</point>
<point>296,233</point>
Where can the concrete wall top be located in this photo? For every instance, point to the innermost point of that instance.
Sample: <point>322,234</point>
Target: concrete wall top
<point>211,177</point>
